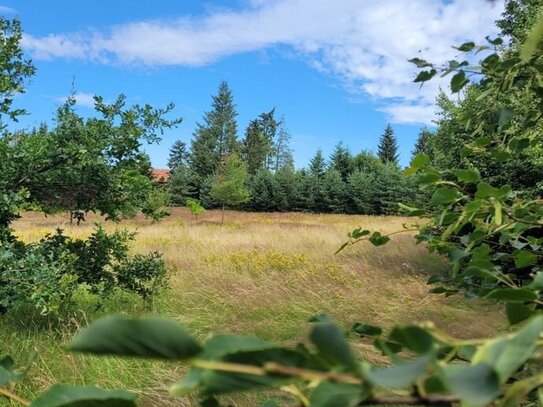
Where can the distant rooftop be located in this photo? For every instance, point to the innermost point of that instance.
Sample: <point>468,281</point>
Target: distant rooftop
<point>161,174</point>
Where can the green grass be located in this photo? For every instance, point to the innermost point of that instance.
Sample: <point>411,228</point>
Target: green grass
<point>259,274</point>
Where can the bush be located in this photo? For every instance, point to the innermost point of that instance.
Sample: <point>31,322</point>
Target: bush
<point>45,275</point>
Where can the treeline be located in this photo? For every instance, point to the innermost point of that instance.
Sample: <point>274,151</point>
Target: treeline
<point>362,183</point>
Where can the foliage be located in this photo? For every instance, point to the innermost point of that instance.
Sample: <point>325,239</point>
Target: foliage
<point>388,147</point>
<point>80,165</point>
<point>47,274</point>
<point>229,183</point>
<point>194,207</point>
<point>216,137</point>
<point>178,155</point>
<point>15,69</point>
<point>323,372</point>
<point>182,185</point>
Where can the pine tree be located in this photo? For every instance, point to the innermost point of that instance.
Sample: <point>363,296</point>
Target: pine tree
<point>178,155</point>
<point>317,165</point>
<point>269,126</point>
<point>423,146</point>
<point>341,160</point>
<point>388,147</point>
<point>229,183</point>
<point>216,137</point>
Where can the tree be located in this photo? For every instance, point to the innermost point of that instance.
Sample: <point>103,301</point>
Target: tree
<point>335,192</point>
<point>228,186</point>
<point>388,147</point>
<point>80,165</point>
<point>283,153</point>
<point>317,165</point>
<point>16,70</point>
<point>341,160</point>
<point>94,164</point>
<point>181,185</point>
<point>255,147</point>
<point>178,155</point>
<point>216,137</point>
<point>423,144</point>
<point>194,207</point>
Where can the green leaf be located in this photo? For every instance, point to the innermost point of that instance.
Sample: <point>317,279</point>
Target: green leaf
<point>476,385</point>
<point>505,116</point>
<point>468,176</point>
<point>192,380</point>
<point>418,162</point>
<point>367,330</point>
<point>485,190</point>
<point>458,81</point>
<point>68,396</point>
<point>378,240</point>
<point>427,178</point>
<point>531,43</point>
<point>398,376</point>
<point>334,394</point>
<point>424,76</point>
<point>507,354</point>
<point>495,41</point>
<point>333,346</point>
<point>413,337</point>
<point>150,338</point>
<point>219,346</point>
<point>386,347</point>
<point>420,63</point>
<point>444,196</point>
<point>524,258</point>
<point>517,312</point>
<point>512,295</point>
<point>518,144</point>
<point>466,47</point>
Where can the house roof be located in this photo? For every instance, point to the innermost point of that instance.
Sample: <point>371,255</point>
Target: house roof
<point>161,174</point>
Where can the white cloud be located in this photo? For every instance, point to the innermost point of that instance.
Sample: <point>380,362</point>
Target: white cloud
<point>81,99</point>
<point>7,10</point>
<point>365,43</point>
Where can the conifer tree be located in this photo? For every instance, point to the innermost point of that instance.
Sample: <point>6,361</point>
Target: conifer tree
<point>283,153</point>
<point>423,146</point>
<point>341,160</point>
<point>216,137</point>
<point>317,165</point>
<point>255,148</point>
<point>178,155</point>
<point>388,147</point>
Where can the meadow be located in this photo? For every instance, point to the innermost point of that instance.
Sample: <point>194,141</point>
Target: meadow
<point>260,274</point>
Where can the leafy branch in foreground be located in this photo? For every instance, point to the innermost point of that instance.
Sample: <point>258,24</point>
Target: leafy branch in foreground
<point>492,234</point>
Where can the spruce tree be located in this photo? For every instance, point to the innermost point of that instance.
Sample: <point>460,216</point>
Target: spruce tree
<point>341,160</point>
<point>317,165</point>
<point>178,155</point>
<point>423,146</point>
<point>255,147</point>
<point>216,137</point>
<point>388,147</point>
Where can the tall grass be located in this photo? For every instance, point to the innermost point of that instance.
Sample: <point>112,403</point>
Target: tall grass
<point>258,274</point>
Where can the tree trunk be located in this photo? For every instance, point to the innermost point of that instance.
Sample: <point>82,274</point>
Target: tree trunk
<point>222,215</point>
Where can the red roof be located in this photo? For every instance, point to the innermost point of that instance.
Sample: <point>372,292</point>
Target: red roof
<point>160,174</point>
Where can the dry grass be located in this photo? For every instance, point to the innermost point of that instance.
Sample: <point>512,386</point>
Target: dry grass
<point>260,274</point>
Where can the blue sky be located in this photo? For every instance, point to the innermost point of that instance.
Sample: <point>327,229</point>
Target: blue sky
<point>336,69</point>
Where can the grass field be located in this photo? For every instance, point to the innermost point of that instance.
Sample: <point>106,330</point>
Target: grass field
<point>258,274</point>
